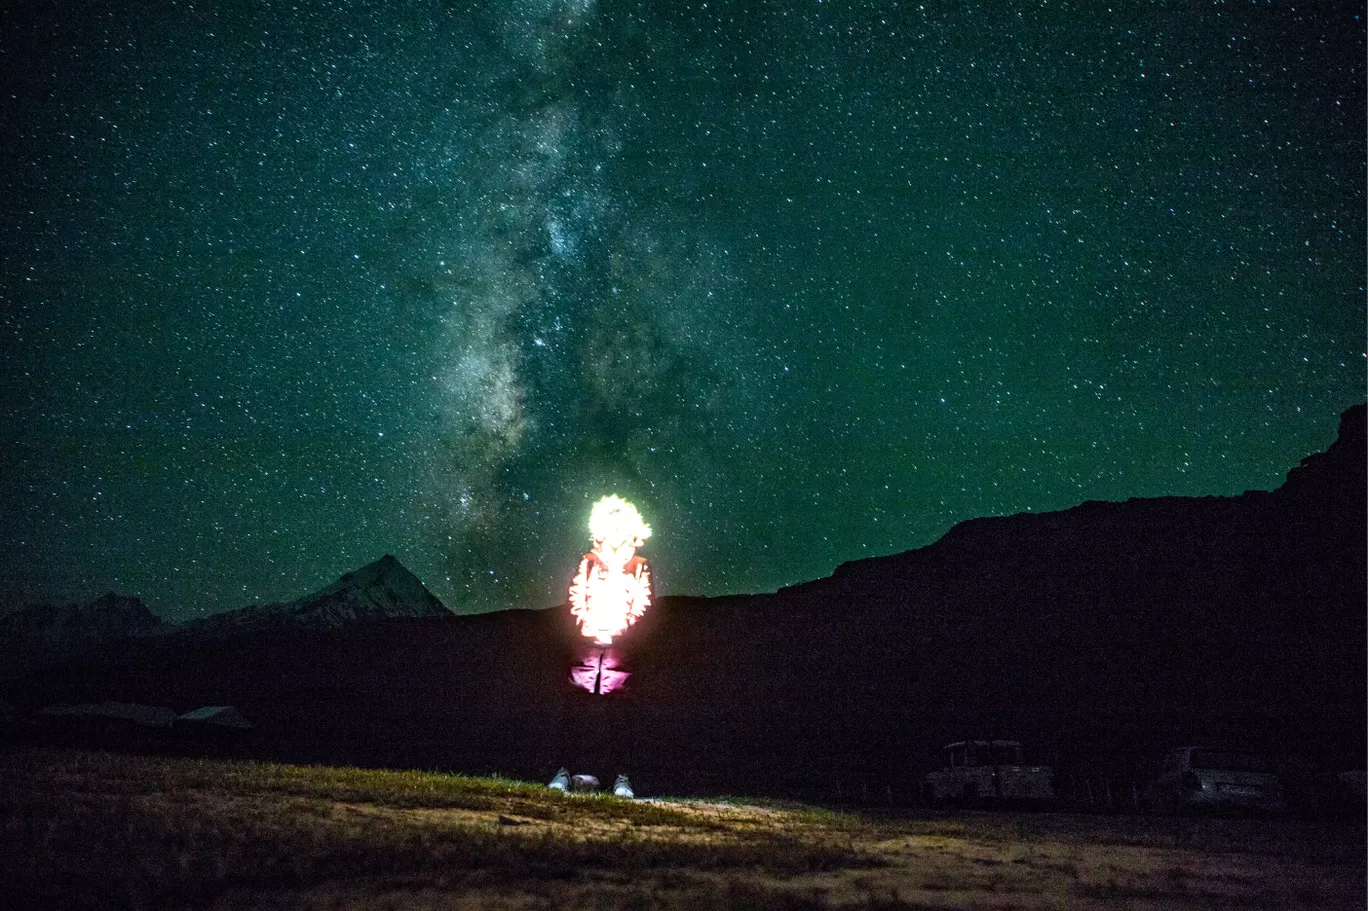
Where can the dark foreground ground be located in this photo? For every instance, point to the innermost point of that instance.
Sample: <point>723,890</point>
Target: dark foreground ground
<point>94,830</point>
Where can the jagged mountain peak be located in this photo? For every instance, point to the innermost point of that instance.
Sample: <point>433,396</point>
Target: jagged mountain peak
<point>126,611</point>
<point>110,614</point>
<point>386,571</point>
<point>383,589</point>
<point>43,633</point>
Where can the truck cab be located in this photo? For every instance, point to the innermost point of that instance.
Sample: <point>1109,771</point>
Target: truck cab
<point>988,771</point>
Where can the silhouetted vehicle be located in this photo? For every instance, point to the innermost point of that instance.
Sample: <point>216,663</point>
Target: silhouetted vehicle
<point>1194,779</point>
<point>986,772</point>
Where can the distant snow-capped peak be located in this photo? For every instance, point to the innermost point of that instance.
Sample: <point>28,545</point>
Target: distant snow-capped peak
<point>384,589</point>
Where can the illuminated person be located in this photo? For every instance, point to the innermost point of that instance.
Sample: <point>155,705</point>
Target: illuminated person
<point>611,589</point>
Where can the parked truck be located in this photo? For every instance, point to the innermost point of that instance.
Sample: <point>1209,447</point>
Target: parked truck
<point>988,772</point>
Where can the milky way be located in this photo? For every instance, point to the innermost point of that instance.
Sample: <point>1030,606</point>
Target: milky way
<point>288,289</point>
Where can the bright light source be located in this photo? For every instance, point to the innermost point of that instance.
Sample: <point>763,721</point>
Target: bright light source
<point>613,585</point>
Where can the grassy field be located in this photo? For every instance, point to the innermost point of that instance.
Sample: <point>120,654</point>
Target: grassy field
<point>80,829</point>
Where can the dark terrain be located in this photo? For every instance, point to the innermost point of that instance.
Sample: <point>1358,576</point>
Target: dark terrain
<point>105,830</point>
<point>1097,635</point>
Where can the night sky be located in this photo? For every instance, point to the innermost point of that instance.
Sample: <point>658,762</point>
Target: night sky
<point>289,286</point>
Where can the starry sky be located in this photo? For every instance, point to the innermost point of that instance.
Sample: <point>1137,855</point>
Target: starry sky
<point>289,286</point>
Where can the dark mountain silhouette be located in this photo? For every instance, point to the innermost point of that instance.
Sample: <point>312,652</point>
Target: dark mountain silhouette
<point>1095,634</point>
<point>1100,631</point>
<point>35,636</point>
<point>381,590</point>
<point>44,633</point>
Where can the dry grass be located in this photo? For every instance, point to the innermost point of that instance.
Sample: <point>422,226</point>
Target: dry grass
<point>97,830</point>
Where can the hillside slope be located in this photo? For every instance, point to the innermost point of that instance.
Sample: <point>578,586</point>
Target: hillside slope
<point>1094,633</point>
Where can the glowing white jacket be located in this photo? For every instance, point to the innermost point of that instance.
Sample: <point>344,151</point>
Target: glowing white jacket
<point>605,600</point>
